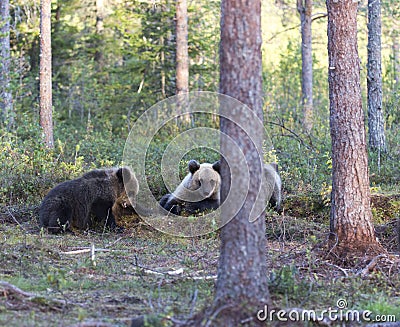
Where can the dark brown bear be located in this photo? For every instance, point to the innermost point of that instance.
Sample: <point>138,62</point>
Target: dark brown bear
<point>98,193</point>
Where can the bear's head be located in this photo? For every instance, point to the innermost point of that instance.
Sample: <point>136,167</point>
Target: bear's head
<point>205,179</point>
<point>126,186</point>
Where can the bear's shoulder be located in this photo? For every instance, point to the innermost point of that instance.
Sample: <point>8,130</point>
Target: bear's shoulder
<point>99,173</point>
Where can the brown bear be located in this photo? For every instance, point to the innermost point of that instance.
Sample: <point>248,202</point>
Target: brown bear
<point>198,191</point>
<point>100,192</point>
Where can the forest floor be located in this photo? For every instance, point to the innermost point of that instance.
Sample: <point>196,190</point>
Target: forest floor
<point>58,280</point>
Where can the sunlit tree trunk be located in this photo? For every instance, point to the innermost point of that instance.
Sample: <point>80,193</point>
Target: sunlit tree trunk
<point>304,7</point>
<point>46,115</point>
<point>351,217</point>
<point>6,105</point>
<point>98,57</point>
<point>396,57</point>
<point>162,58</point>
<point>182,56</point>
<point>374,78</point>
<point>242,270</point>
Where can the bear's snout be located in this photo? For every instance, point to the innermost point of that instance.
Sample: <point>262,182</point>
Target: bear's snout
<point>206,191</point>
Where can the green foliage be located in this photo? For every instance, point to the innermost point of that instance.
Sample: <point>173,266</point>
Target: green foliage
<point>103,81</point>
<point>29,169</point>
<point>382,306</point>
<point>286,281</point>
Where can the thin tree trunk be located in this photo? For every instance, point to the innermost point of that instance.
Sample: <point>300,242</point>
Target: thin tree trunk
<point>396,57</point>
<point>374,78</point>
<point>351,217</point>
<point>98,56</point>
<point>46,115</point>
<point>242,270</point>
<point>182,56</point>
<point>304,8</point>
<point>162,58</point>
<point>182,61</point>
<point>6,104</point>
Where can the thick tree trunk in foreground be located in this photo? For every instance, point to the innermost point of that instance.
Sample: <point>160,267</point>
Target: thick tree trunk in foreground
<point>242,271</point>
<point>6,105</point>
<point>304,7</point>
<point>374,78</point>
<point>46,114</point>
<point>351,217</point>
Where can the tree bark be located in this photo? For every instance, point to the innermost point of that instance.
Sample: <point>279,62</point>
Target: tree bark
<point>98,56</point>
<point>351,217</point>
<point>304,7</point>
<point>6,104</point>
<point>182,56</point>
<point>396,57</point>
<point>182,61</point>
<point>374,78</point>
<point>46,115</point>
<point>242,271</point>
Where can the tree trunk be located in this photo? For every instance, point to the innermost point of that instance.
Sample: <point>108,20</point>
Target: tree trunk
<point>396,57</point>
<point>182,56</point>
<point>162,58</point>
<point>182,60</point>
<point>98,56</point>
<point>46,115</point>
<point>351,217</point>
<point>6,105</point>
<point>374,78</point>
<point>242,271</point>
<point>304,8</point>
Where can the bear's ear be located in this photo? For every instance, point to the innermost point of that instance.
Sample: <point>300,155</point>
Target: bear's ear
<point>123,172</point>
<point>217,166</point>
<point>193,166</point>
<point>120,175</point>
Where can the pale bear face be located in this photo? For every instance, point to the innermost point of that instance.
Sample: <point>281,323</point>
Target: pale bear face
<point>205,179</point>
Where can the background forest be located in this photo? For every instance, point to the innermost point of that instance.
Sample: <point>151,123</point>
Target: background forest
<point>114,59</point>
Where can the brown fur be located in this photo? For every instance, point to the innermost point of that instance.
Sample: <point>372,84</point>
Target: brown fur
<point>97,193</point>
<point>199,190</point>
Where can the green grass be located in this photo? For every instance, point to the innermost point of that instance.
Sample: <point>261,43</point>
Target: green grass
<point>128,276</point>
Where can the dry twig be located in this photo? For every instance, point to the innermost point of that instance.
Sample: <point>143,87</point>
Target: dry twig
<point>370,266</point>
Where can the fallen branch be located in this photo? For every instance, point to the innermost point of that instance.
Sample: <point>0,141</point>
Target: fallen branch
<point>336,266</point>
<point>175,273</point>
<point>11,290</point>
<point>15,219</point>
<point>370,266</point>
<point>85,250</point>
<point>170,273</point>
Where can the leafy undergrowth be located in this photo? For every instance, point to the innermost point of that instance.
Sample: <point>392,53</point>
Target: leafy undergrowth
<point>144,272</point>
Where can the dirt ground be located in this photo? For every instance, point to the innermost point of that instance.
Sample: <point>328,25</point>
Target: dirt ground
<point>98,278</point>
